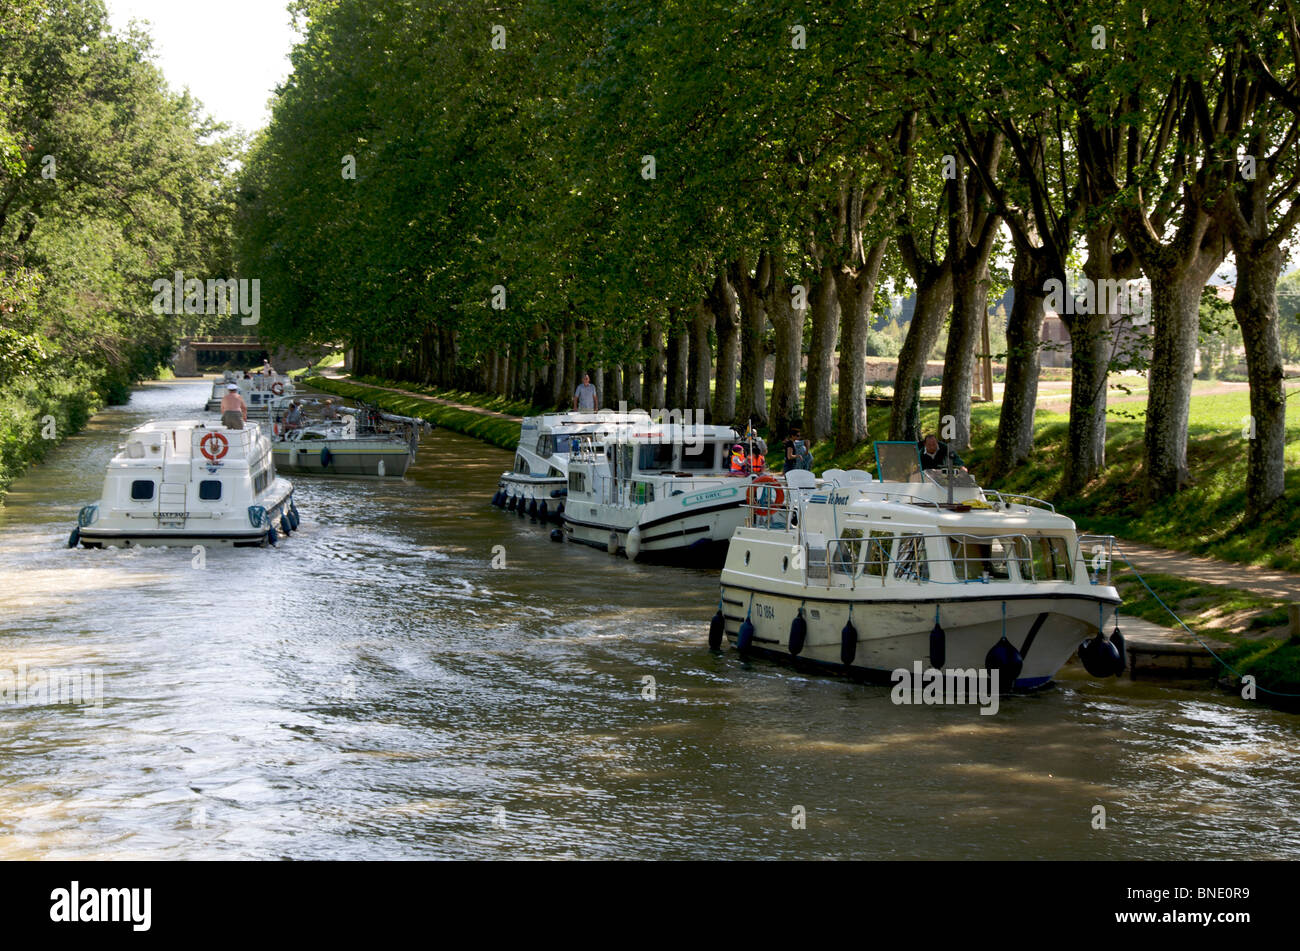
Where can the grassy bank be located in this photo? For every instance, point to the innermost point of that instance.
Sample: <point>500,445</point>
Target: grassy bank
<point>1252,630</point>
<point>35,416</point>
<point>491,429</point>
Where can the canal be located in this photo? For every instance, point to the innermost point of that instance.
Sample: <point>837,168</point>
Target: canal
<point>375,688</point>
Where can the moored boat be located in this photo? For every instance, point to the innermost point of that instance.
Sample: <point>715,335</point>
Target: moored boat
<point>189,482</point>
<point>261,392</point>
<point>366,442</point>
<point>662,489</point>
<point>923,568</point>
<point>539,481</point>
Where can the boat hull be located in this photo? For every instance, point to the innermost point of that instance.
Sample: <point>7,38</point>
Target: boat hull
<point>345,458</point>
<point>893,634</point>
<point>665,530</point>
<point>232,532</point>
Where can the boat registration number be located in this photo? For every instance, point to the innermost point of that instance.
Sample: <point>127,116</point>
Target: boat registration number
<point>173,514</point>
<point>763,610</point>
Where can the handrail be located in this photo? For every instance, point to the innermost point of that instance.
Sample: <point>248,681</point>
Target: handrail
<point>1004,496</point>
<point>1019,553</point>
<point>1102,550</point>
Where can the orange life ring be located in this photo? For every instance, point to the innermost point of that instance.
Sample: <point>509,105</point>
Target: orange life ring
<point>754,492</point>
<point>277,388</point>
<point>213,446</point>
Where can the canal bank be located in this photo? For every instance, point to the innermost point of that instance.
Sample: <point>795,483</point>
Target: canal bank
<point>376,688</point>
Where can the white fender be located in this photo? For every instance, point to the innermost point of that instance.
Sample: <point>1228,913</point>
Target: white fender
<point>634,543</point>
<point>381,468</point>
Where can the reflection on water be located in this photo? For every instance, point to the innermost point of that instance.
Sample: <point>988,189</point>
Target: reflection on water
<point>374,688</point>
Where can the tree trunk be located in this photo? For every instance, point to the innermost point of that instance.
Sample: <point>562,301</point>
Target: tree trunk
<point>1175,310</point>
<point>726,322</point>
<point>817,423</point>
<point>856,295</point>
<point>1015,439</point>
<point>697,397</point>
<point>558,371</point>
<point>652,386</point>
<point>632,385</point>
<point>1254,303</point>
<point>752,405</point>
<point>613,394</point>
<point>933,299</point>
<point>970,297</point>
<point>679,347</point>
<point>787,321</point>
<point>570,384</point>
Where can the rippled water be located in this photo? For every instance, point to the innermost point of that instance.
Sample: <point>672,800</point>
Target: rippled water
<point>374,688</point>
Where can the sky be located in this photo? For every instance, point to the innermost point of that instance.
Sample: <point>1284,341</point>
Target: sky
<point>230,53</point>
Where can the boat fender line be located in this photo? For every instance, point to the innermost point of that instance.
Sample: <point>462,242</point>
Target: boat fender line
<point>634,542</point>
<point>74,537</point>
<point>1102,657</point>
<point>557,535</point>
<point>542,514</point>
<point>521,508</point>
<point>938,643</point>
<point>848,641</point>
<point>745,636</point>
<point>286,529</point>
<point>611,546</point>
<point>272,537</point>
<point>798,632</point>
<point>717,627</point>
<point>1004,658</point>
<point>532,509</point>
<point>293,510</point>
<point>325,456</point>
<point>496,498</point>
<point>509,504</point>
<point>559,512</point>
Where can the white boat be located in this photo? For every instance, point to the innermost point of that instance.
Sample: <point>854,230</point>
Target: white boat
<point>365,442</point>
<point>261,392</point>
<point>658,488</point>
<point>924,569</point>
<point>540,478</point>
<point>189,482</point>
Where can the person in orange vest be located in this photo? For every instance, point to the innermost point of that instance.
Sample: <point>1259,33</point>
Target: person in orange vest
<point>757,461</point>
<point>739,464</point>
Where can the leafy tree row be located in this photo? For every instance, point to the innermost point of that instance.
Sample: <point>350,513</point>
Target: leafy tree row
<point>672,195</point>
<point>108,181</point>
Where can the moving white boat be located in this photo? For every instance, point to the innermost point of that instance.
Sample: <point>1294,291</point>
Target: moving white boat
<point>190,482</point>
<point>538,482</point>
<point>261,392</point>
<point>923,569</point>
<point>658,488</point>
<point>365,442</point>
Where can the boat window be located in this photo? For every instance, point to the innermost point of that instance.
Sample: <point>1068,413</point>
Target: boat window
<point>847,551</point>
<point>577,482</point>
<point>655,457</point>
<point>910,563</point>
<point>521,465</point>
<point>1051,559</point>
<point>546,446</point>
<point>210,490</point>
<point>142,490</point>
<point>553,472</point>
<point>699,455</point>
<point>259,482</point>
<point>876,563</point>
<point>979,559</point>
<point>642,493</point>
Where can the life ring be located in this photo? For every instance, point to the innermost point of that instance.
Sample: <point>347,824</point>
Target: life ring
<point>213,446</point>
<point>754,492</point>
<point>277,388</point>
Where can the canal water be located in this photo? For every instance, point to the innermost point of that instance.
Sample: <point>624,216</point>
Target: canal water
<point>376,688</point>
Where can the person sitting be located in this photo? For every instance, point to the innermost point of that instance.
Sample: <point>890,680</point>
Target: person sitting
<point>328,411</point>
<point>739,462</point>
<point>293,418</point>
<point>935,454</point>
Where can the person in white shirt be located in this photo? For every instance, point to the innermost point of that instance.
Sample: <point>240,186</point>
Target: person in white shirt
<point>584,397</point>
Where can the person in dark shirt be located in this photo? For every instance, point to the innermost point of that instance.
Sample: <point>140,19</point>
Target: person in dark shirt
<point>934,455</point>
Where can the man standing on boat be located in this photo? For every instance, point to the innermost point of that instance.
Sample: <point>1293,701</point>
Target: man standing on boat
<point>584,397</point>
<point>233,410</point>
<point>934,455</point>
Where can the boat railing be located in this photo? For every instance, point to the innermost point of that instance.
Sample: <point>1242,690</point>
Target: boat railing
<point>1006,498</point>
<point>1098,552</point>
